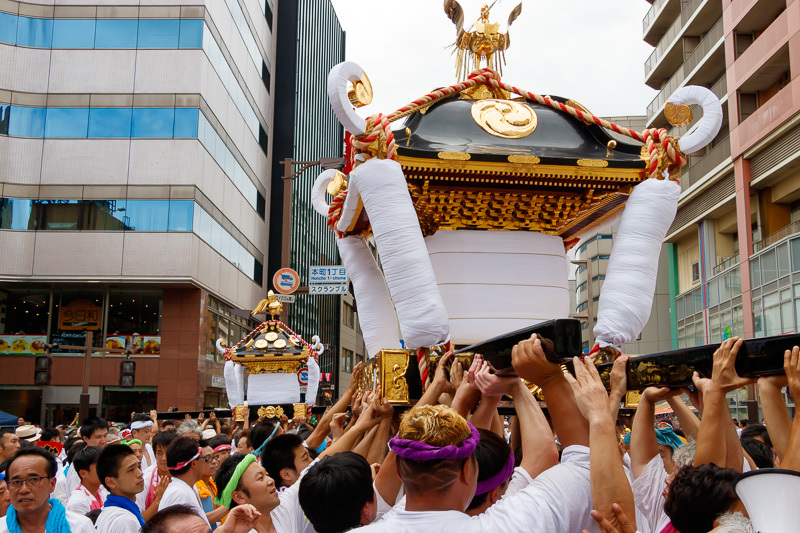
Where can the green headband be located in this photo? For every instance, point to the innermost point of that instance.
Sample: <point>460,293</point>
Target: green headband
<point>225,497</point>
<point>132,441</point>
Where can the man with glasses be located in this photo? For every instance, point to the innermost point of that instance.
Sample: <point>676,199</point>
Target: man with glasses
<point>206,487</point>
<point>31,479</point>
<point>186,467</point>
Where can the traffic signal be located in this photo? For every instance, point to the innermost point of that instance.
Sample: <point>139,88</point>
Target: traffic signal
<point>41,374</point>
<point>127,372</point>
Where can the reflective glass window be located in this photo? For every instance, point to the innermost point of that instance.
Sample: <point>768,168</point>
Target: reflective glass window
<point>191,33</point>
<point>147,215</point>
<point>73,33</point>
<point>769,269</point>
<point>58,215</point>
<point>110,122</point>
<point>34,32</point>
<point>185,122</point>
<point>180,215</point>
<point>16,214</point>
<point>8,28</point>
<point>153,122</point>
<point>67,122</point>
<point>116,33</point>
<point>156,33</point>
<point>103,215</point>
<point>25,121</point>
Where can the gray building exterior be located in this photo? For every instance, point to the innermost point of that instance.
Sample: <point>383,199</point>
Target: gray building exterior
<point>135,172</point>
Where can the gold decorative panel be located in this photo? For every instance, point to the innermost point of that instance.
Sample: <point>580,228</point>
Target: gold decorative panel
<point>599,163</point>
<point>504,118</point>
<point>526,159</point>
<point>454,156</point>
<point>387,369</point>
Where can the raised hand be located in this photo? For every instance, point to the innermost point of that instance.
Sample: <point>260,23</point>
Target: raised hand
<point>723,373</point>
<point>355,378</point>
<point>658,394</point>
<point>337,425</point>
<point>791,365</point>
<point>491,384</point>
<point>626,525</point>
<point>590,393</point>
<point>240,519</point>
<point>456,374</point>
<point>440,377</point>
<point>619,378</point>
<point>530,362</point>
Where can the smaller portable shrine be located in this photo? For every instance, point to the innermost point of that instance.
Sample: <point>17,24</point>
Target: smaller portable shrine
<point>263,369</point>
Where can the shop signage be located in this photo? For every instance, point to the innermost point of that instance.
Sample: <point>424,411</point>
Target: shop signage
<point>286,298</point>
<point>22,344</point>
<point>217,381</point>
<point>79,315</point>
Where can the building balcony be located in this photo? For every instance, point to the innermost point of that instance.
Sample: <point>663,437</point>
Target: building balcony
<point>704,65</point>
<point>718,155</point>
<point>658,19</point>
<point>695,19</point>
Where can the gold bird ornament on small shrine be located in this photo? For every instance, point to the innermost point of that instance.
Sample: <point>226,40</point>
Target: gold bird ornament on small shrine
<point>269,305</point>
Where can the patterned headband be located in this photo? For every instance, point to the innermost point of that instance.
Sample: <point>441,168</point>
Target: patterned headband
<point>415,450</point>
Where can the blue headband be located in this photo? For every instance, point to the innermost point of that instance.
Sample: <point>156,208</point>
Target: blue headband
<point>2,476</point>
<point>627,438</point>
<point>667,437</point>
<point>257,451</point>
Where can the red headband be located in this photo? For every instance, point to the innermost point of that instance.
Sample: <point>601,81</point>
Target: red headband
<point>187,461</point>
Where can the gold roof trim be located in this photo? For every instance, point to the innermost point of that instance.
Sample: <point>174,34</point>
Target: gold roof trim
<point>413,164</point>
<point>524,159</point>
<point>598,163</point>
<point>454,156</point>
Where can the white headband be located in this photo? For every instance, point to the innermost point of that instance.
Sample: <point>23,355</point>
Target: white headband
<point>139,424</point>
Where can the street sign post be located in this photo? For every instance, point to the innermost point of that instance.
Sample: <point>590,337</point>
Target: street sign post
<point>286,281</point>
<point>327,274</point>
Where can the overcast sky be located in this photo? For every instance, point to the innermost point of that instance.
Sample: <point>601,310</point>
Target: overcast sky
<point>588,50</point>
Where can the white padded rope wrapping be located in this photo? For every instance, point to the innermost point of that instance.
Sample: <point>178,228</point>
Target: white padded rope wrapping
<point>376,313</point>
<point>318,191</point>
<point>313,381</point>
<point>338,77</point>
<point>233,385</point>
<point>627,294</point>
<point>709,125</point>
<point>407,268</point>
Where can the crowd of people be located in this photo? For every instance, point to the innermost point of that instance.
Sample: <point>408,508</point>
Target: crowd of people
<point>449,463</point>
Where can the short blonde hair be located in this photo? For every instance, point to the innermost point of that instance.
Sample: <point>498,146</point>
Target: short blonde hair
<point>437,425</point>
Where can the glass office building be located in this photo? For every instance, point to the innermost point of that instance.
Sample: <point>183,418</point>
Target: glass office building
<point>310,43</point>
<point>136,162</point>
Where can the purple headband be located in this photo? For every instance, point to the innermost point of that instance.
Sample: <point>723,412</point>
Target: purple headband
<point>415,450</point>
<point>498,479</point>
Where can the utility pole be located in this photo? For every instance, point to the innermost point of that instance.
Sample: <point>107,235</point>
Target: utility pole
<point>87,349</point>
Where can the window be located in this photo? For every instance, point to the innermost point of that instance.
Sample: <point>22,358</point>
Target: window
<point>156,33</point>
<point>62,122</point>
<point>8,28</point>
<point>347,360</point>
<point>116,33</point>
<point>66,122</point>
<point>348,316</point>
<point>185,123</point>
<point>695,272</point>
<point>16,214</point>
<point>34,32</point>
<point>110,122</point>
<point>19,121</point>
<point>73,33</point>
<point>191,33</point>
<point>268,15</point>
<point>153,122</point>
